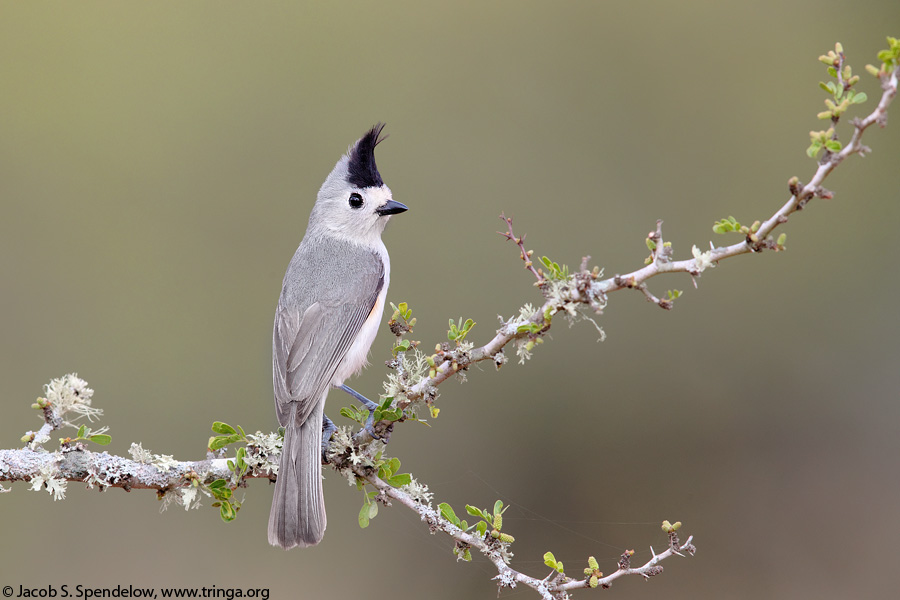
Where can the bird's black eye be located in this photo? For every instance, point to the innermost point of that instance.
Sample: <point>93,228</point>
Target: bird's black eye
<point>356,201</point>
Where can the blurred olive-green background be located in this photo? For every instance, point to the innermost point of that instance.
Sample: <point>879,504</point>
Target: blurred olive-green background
<point>157,166</point>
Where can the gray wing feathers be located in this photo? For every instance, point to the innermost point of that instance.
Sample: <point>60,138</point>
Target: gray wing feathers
<point>334,298</point>
<point>293,339</point>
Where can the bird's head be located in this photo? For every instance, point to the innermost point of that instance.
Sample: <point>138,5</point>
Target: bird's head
<point>354,203</point>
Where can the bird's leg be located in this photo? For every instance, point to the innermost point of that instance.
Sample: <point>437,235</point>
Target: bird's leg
<point>371,406</point>
<point>328,429</point>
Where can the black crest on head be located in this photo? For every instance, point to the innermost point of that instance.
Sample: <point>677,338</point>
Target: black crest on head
<point>362,171</point>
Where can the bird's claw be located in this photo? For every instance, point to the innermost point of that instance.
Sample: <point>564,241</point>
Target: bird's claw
<point>328,429</point>
<point>370,422</point>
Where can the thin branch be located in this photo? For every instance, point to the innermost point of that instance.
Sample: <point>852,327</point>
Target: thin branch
<point>520,242</point>
<point>587,290</point>
<point>647,570</point>
<point>555,586</point>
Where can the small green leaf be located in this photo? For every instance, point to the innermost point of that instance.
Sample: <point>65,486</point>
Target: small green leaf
<point>354,414</point>
<point>726,225</point>
<point>224,428</point>
<point>448,513</point>
<point>81,432</point>
<point>833,145</point>
<point>227,512</point>
<point>859,98</point>
<point>364,516</point>
<point>481,528</point>
<point>498,507</point>
<point>223,440</point>
<point>101,438</point>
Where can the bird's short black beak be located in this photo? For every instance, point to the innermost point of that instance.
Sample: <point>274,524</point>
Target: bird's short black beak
<point>391,207</point>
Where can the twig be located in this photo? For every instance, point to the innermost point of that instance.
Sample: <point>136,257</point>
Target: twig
<point>520,242</point>
<point>599,289</point>
<point>550,588</point>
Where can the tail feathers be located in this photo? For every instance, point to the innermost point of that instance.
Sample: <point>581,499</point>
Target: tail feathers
<point>297,517</point>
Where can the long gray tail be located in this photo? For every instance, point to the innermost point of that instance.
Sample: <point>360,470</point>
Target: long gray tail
<point>297,517</point>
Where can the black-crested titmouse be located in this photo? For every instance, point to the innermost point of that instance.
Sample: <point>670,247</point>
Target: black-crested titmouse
<point>329,310</point>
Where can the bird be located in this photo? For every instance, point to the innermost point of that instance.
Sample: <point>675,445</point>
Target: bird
<point>328,313</point>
